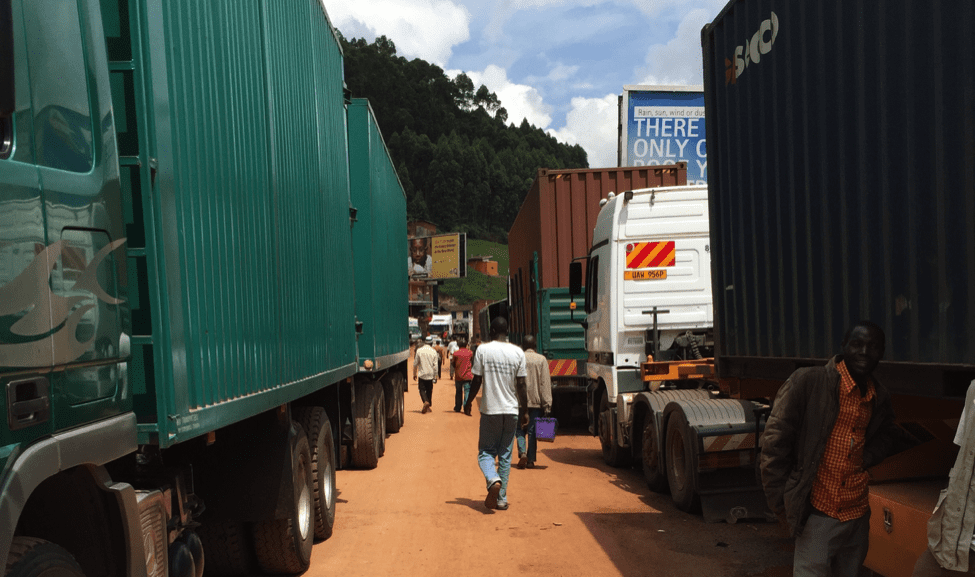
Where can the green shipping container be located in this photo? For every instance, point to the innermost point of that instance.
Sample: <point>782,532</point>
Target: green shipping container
<point>379,244</point>
<point>235,181</point>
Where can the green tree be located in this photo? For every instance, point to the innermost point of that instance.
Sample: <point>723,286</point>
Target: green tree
<point>462,165</point>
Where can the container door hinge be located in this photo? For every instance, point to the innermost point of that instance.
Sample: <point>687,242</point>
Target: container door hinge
<point>352,214</point>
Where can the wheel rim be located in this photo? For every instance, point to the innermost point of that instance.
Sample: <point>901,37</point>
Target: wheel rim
<point>402,402</point>
<point>325,488</point>
<point>305,512</point>
<point>677,459</point>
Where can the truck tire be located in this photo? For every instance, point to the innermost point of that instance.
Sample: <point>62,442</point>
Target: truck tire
<point>613,454</point>
<point>368,446</point>
<point>653,458</point>
<point>315,422</point>
<point>36,557</point>
<point>227,549</point>
<point>381,419</point>
<point>284,546</point>
<point>397,402</point>
<point>680,462</point>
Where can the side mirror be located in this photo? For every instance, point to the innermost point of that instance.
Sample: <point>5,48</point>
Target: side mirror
<point>575,278</point>
<point>8,96</point>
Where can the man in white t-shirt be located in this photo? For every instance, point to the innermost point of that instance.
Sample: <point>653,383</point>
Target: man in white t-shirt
<point>500,366</point>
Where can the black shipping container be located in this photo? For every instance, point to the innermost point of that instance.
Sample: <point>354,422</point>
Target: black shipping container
<point>841,165</point>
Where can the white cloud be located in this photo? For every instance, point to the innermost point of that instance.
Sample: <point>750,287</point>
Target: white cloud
<point>592,124</point>
<point>679,60</point>
<point>520,100</point>
<point>427,29</point>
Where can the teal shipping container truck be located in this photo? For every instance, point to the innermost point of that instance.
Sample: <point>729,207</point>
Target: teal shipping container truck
<point>182,359</point>
<point>380,244</point>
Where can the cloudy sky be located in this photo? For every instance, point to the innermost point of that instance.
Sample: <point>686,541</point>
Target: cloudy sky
<point>559,63</point>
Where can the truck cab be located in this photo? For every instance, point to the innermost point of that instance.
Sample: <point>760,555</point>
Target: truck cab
<point>648,295</point>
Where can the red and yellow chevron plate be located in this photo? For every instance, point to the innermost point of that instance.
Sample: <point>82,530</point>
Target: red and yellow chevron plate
<point>651,254</point>
<point>557,367</point>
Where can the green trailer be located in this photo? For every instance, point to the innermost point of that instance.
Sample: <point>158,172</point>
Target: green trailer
<point>380,246</point>
<point>178,286</point>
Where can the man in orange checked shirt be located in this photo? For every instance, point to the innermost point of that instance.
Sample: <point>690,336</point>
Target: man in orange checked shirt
<point>828,425</point>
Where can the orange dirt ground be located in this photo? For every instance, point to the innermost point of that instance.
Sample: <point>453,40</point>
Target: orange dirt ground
<point>421,513</point>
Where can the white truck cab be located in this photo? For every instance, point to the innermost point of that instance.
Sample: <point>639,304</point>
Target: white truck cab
<point>649,324</point>
<point>648,295</point>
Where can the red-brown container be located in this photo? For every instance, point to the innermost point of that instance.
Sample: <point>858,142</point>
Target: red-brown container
<point>559,213</point>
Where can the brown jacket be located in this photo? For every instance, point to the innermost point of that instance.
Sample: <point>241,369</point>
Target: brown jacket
<point>802,419</point>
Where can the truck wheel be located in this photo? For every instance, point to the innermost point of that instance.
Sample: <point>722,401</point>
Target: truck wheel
<point>365,454</point>
<point>315,422</point>
<point>680,463</point>
<point>613,454</point>
<point>36,557</point>
<point>227,549</point>
<point>284,546</point>
<point>394,393</point>
<point>400,381</point>
<point>381,419</point>
<point>653,459</point>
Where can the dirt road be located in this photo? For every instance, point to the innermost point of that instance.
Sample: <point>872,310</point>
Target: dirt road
<point>421,513</point>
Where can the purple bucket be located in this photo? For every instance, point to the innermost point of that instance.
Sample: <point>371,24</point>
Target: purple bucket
<point>545,428</point>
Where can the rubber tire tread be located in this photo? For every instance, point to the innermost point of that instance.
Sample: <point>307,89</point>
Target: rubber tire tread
<point>314,420</point>
<point>36,557</point>
<point>394,393</point>
<point>277,543</point>
<point>613,454</point>
<point>227,549</point>
<point>685,498</point>
<point>381,419</point>
<point>365,453</point>
<point>656,476</point>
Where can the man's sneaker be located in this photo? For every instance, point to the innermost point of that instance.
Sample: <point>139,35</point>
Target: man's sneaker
<point>491,501</point>
<point>426,407</point>
<point>502,506</point>
<point>530,465</point>
<point>522,462</point>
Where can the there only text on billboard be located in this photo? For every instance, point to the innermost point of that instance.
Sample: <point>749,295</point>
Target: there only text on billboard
<point>664,125</point>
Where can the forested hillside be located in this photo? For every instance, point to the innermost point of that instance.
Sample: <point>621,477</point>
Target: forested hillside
<point>463,166</point>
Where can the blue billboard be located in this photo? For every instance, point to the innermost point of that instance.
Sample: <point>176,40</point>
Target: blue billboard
<point>664,125</point>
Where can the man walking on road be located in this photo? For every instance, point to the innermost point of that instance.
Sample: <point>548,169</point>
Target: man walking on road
<point>461,368</point>
<point>426,365</point>
<point>539,385</point>
<point>452,348</point>
<point>828,425</point>
<point>500,366</point>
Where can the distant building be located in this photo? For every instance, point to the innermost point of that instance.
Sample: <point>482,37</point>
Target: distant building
<point>483,264</point>
<point>420,229</point>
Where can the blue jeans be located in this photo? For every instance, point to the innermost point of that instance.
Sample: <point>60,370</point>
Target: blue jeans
<point>533,414</point>
<point>463,389</point>
<point>494,441</point>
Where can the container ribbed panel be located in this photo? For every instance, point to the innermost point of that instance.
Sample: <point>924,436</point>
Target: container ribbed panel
<point>841,175</point>
<point>380,247</point>
<point>260,184</point>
